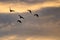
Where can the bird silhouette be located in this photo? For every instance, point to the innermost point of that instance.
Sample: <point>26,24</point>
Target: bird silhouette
<point>19,21</point>
<point>11,10</point>
<point>36,15</point>
<point>29,11</point>
<point>21,17</point>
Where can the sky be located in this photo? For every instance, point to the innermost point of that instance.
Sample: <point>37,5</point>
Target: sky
<point>23,5</point>
<point>46,27</point>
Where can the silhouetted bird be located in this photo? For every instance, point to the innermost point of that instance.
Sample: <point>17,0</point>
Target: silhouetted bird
<point>29,11</point>
<point>21,16</point>
<point>36,15</point>
<point>19,21</point>
<point>11,10</point>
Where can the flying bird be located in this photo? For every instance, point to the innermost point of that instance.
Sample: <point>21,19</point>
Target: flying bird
<point>36,15</point>
<point>21,17</point>
<point>19,21</point>
<point>11,10</point>
<point>29,11</point>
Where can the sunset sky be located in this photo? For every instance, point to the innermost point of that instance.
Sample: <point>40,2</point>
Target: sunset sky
<point>23,5</point>
<point>45,27</point>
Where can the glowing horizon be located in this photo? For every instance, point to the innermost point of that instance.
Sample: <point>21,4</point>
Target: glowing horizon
<point>23,7</point>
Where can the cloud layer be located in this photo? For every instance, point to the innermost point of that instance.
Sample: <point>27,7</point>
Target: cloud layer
<point>29,1</point>
<point>47,25</point>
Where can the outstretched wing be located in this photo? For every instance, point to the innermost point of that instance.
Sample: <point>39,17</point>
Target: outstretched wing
<point>19,21</point>
<point>21,16</point>
<point>29,11</point>
<point>36,15</point>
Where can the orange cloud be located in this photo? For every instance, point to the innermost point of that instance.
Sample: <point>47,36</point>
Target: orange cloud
<point>14,37</point>
<point>22,7</point>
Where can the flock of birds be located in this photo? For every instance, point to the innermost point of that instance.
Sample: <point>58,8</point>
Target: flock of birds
<point>21,17</point>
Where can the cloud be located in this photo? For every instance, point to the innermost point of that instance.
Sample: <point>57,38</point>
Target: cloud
<point>36,1</point>
<point>23,6</point>
<point>51,11</point>
<point>47,25</point>
<point>28,1</point>
<point>15,37</point>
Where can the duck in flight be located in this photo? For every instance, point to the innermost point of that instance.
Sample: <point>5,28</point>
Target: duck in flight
<point>11,10</point>
<point>36,15</point>
<point>21,17</point>
<point>19,21</point>
<point>29,11</point>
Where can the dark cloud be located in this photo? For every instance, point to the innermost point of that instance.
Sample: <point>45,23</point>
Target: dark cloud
<point>48,24</point>
<point>36,1</point>
<point>51,11</point>
<point>27,1</point>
